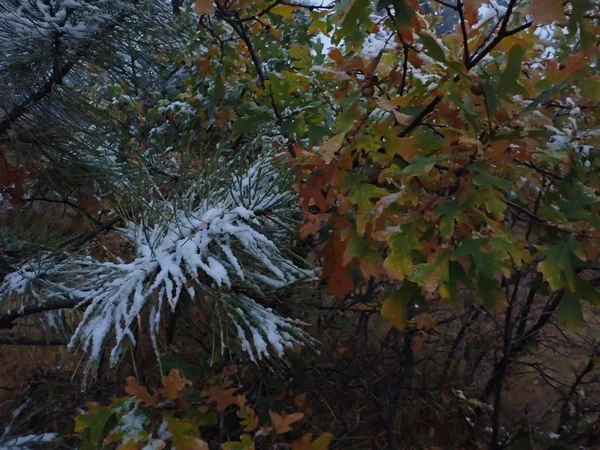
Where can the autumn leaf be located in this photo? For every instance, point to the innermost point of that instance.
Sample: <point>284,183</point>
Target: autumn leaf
<point>399,264</point>
<point>94,420</point>
<point>340,281</point>
<point>394,307</point>
<point>545,12</point>
<point>222,395</point>
<point>558,267</point>
<point>204,6</point>
<point>369,260</point>
<point>245,443</point>
<point>133,388</point>
<point>335,54</point>
<point>331,147</point>
<point>185,435</point>
<point>304,443</point>
<point>173,384</point>
<point>471,8</point>
<point>249,419</point>
<point>282,423</point>
<point>284,11</point>
<point>394,310</point>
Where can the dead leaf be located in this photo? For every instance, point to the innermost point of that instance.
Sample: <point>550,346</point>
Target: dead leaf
<point>204,6</point>
<point>222,395</point>
<point>281,423</point>
<point>133,388</point>
<point>248,415</point>
<point>173,384</point>
<point>304,443</point>
<point>331,146</point>
<point>471,10</point>
<point>545,12</point>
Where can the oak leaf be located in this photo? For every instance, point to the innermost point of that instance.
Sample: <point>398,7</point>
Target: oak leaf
<point>222,395</point>
<point>281,423</point>
<point>471,9</point>
<point>134,389</point>
<point>173,384</point>
<point>304,443</point>
<point>249,420</point>
<point>340,281</point>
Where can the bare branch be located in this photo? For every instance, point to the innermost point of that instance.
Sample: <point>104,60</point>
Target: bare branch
<point>7,318</point>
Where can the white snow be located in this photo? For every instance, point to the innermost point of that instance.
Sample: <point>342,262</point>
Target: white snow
<point>22,442</point>
<point>489,11</point>
<point>233,235</point>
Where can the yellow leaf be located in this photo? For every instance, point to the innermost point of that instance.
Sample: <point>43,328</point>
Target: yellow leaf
<point>283,11</point>
<point>204,6</point>
<point>394,310</point>
<point>249,420</point>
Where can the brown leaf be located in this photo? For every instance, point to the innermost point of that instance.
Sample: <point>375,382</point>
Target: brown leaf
<point>281,423</point>
<point>545,12</point>
<point>173,384</point>
<point>222,395</point>
<point>340,281</point>
<point>304,443</point>
<point>204,6</point>
<point>336,55</point>
<point>331,146</point>
<point>471,9</point>
<point>133,388</point>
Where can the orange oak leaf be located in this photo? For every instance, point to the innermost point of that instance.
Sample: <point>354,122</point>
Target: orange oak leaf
<point>222,395</point>
<point>173,384</point>
<point>142,394</point>
<point>304,443</point>
<point>281,423</point>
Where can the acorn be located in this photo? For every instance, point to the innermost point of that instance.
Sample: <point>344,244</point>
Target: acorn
<point>466,145</point>
<point>368,91</point>
<point>477,89</point>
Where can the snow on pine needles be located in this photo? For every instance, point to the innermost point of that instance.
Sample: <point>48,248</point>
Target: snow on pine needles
<point>229,247</point>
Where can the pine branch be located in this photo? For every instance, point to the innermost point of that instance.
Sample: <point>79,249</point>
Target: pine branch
<point>57,77</point>
<point>7,318</point>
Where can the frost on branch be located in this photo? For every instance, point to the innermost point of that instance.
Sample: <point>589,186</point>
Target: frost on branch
<point>232,239</point>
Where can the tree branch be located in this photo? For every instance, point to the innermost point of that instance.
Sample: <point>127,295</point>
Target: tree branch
<point>57,77</point>
<point>239,28</point>
<point>7,318</point>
